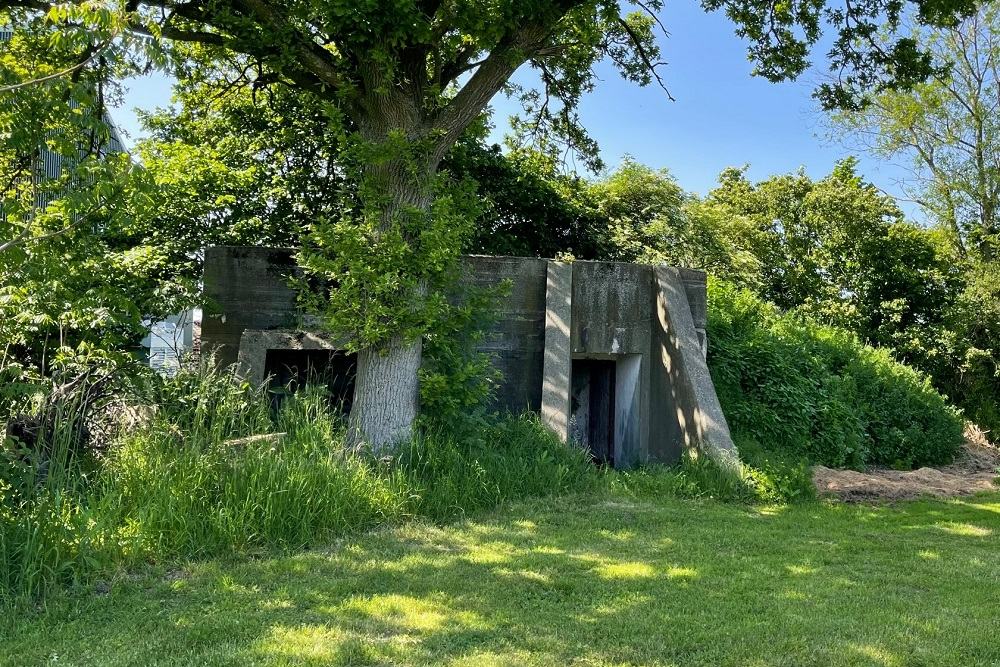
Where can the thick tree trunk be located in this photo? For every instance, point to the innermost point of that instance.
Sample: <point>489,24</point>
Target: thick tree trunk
<point>386,388</point>
<point>386,395</point>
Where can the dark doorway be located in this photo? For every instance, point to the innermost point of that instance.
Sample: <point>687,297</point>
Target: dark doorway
<point>290,370</point>
<point>593,408</point>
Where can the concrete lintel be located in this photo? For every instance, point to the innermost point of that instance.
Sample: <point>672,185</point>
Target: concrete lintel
<point>255,343</point>
<point>700,415</point>
<point>557,366</point>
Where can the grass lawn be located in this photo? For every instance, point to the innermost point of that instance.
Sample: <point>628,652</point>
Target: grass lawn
<point>596,580</point>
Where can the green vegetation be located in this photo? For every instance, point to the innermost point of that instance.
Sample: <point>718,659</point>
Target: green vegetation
<point>617,577</point>
<point>355,134</point>
<point>374,97</point>
<point>193,481</point>
<point>835,249</point>
<point>788,384</point>
<point>945,130</point>
<point>213,471</point>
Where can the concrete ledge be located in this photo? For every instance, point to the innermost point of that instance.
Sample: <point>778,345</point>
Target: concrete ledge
<point>255,343</point>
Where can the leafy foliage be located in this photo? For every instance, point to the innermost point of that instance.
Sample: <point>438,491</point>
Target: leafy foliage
<point>529,207</point>
<point>838,248</point>
<point>650,219</point>
<point>230,167</point>
<point>457,382</point>
<point>861,60</point>
<point>790,384</point>
<point>946,130</point>
<point>385,282</point>
<point>374,78</point>
<point>72,270</point>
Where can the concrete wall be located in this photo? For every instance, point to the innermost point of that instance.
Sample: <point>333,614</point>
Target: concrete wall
<point>516,339</point>
<point>245,288</point>
<point>631,410</point>
<point>611,319</point>
<point>691,414</point>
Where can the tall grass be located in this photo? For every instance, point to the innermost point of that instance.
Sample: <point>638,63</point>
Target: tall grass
<point>43,525</point>
<point>214,471</point>
<point>211,491</point>
<point>760,478</point>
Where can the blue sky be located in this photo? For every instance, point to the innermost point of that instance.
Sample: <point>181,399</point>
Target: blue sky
<point>721,117</point>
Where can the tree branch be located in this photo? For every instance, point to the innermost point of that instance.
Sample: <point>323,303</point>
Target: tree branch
<point>644,56</point>
<point>91,54</point>
<point>494,71</point>
<point>315,58</point>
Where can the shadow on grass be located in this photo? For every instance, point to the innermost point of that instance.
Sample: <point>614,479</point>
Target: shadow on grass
<point>606,581</point>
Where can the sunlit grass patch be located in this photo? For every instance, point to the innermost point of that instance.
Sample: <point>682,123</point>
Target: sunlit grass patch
<point>966,529</point>
<point>626,570</point>
<point>689,583</point>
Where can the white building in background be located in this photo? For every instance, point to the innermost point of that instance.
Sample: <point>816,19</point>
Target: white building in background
<point>47,165</point>
<point>172,340</point>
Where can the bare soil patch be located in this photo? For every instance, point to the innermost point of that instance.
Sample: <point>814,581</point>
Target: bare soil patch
<point>976,469</point>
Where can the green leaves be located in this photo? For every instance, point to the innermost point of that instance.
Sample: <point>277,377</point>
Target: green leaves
<point>793,385</point>
<point>380,268</point>
<point>870,52</point>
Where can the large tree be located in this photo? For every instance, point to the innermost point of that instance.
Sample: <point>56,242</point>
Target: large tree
<point>948,129</point>
<point>400,83</point>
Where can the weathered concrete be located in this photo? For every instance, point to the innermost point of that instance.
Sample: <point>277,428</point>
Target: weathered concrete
<point>515,340</point>
<point>256,343</point>
<point>631,410</point>
<point>696,289</point>
<point>611,355</point>
<point>245,288</point>
<point>612,309</point>
<point>691,396</point>
<point>557,368</point>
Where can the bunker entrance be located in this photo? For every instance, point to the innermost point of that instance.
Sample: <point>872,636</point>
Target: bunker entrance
<point>290,370</point>
<point>592,416</point>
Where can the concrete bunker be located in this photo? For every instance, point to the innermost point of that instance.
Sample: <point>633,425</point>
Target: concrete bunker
<point>611,355</point>
<point>288,360</point>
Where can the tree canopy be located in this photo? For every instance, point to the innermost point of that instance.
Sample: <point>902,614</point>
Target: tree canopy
<point>394,87</point>
<point>947,129</point>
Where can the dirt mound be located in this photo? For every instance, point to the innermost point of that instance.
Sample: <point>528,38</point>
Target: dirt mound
<point>976,469</point>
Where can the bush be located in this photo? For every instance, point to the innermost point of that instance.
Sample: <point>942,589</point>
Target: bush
<point>812,391</point>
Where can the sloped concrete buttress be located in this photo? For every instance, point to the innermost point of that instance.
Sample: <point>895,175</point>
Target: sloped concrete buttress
<point>558,361</point>
<point>691,398</point>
